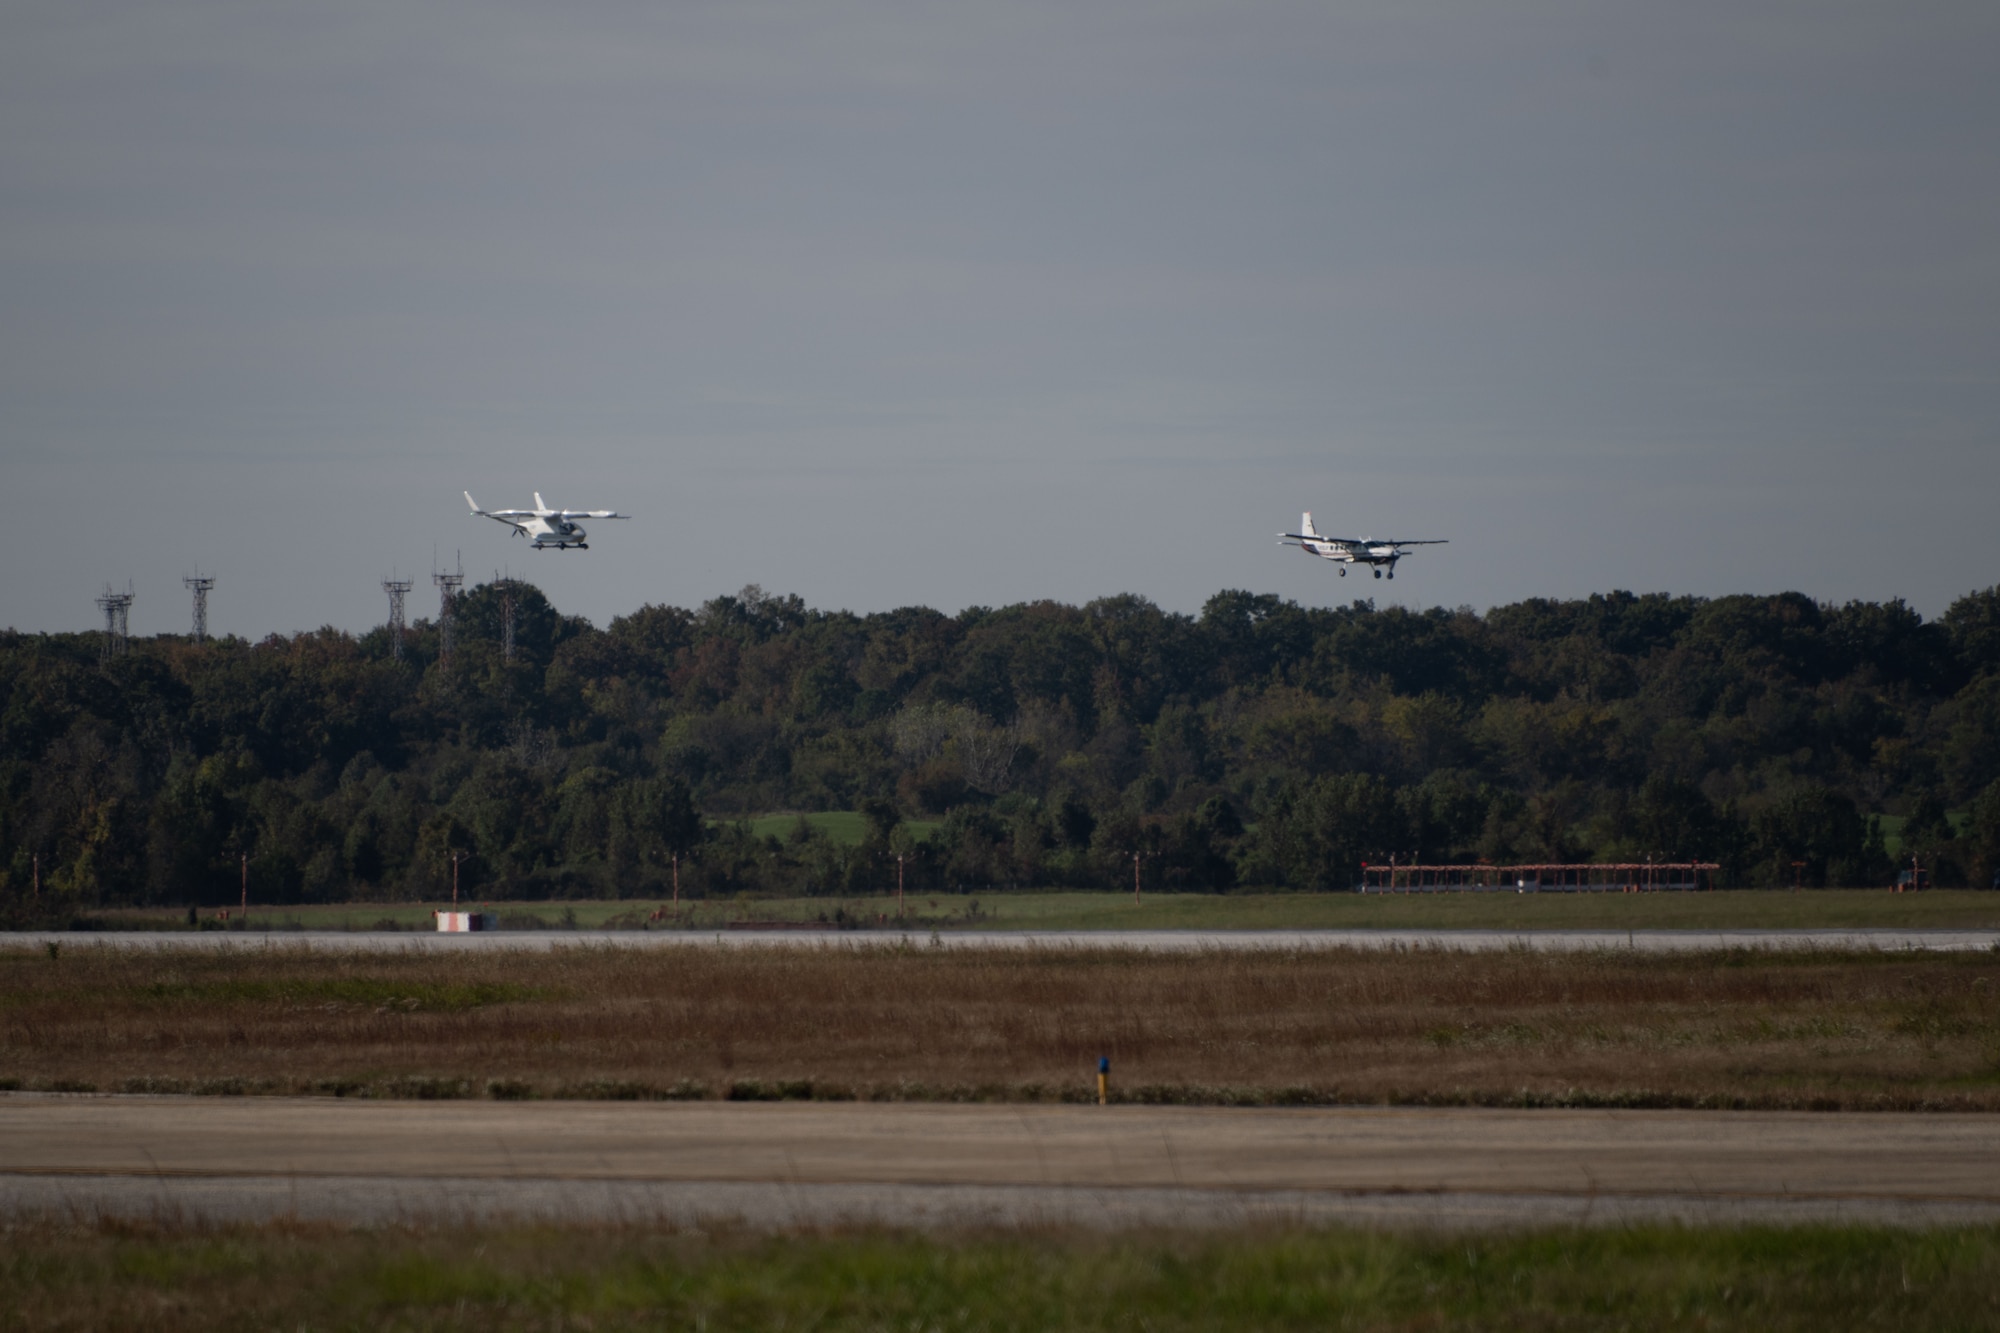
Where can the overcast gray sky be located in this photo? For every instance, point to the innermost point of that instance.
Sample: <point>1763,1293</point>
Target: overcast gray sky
<point>890,303</point>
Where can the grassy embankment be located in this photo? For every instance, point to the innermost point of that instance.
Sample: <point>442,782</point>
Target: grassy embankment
<point>64,1276</point>
<point>1739,1028</point>
<point>1743,909</point>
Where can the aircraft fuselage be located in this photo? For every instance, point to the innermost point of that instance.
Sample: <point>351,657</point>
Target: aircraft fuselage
<point>542,526</point>
<point>1352,553</point>
<point>1345,551</point>
<point>558,533</point>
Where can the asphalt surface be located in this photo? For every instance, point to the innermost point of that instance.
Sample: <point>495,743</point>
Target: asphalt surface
<point>792,1164</point>
<point>1165,941</point>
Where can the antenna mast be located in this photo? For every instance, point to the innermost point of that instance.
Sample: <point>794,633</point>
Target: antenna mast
<point>447,586</point>
<point>397,589</point>
<point>117,608</point>
<point>506,586</point>
<point>199,584</point>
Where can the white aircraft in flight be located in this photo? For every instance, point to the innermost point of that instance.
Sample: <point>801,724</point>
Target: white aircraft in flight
<point>546,526</point>
<point>1351,550</point>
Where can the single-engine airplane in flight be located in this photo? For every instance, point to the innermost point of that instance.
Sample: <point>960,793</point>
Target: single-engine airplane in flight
<point>1351,550</point>
<point>543,525</point>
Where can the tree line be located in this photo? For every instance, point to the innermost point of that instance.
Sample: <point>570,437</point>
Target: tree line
<point>1258,743</point>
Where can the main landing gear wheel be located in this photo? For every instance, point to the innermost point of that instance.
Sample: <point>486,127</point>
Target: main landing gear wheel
<point>1392,573</point>
<point>1378,573</point>
<point>1343,573</point>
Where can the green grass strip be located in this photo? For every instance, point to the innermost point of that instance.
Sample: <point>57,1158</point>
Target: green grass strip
<point>69,1275</point>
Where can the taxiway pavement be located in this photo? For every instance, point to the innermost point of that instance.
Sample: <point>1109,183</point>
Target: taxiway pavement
<point>792,1164</point>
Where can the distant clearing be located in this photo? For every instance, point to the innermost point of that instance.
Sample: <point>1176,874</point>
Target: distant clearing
<point>846,828</point>
<point>1893,825</point>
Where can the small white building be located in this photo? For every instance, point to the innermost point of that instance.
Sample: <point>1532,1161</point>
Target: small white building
<point>457,922</point>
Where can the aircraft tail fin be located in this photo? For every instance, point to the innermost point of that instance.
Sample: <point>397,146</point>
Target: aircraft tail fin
<point>540,503</point>
<point>1306,524</point>
<point>473,503</point>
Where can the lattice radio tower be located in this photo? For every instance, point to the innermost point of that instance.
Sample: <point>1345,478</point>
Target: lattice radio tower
<point>397,590</point>
<point>199,583</point>
<point>117,608</point>
<point>506,587</point>
<point>447,586</point>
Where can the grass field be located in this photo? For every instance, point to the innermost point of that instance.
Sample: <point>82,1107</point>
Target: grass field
<point>1741,1028</point>
<point>1743,909</point>
<point>70,1275</point>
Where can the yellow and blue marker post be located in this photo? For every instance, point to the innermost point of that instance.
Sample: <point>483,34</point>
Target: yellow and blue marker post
<point>1103,1079</point>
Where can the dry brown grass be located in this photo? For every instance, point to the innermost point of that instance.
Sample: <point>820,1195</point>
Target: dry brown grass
<point>1745,1028</point>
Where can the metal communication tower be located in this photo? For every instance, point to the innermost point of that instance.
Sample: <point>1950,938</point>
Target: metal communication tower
<point>397,590</point>
<point>506,587</point>
<point>199,583</point>
<point>117,608</point>
<point>447,586</point>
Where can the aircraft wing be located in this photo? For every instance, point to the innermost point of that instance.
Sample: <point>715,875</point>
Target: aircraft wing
<point>591,513</point>
<point>506,516</point>
<point>1321,537</point>
<point>1429,541</point>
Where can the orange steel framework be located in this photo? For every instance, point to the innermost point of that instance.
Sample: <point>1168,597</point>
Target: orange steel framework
<point>1620,877</point>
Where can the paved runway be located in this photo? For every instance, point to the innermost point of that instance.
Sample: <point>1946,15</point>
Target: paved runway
<point>1172,941</point>
<point>787,1164</point>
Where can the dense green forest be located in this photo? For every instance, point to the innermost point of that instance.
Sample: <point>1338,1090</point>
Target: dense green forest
<point>1258,743</point>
